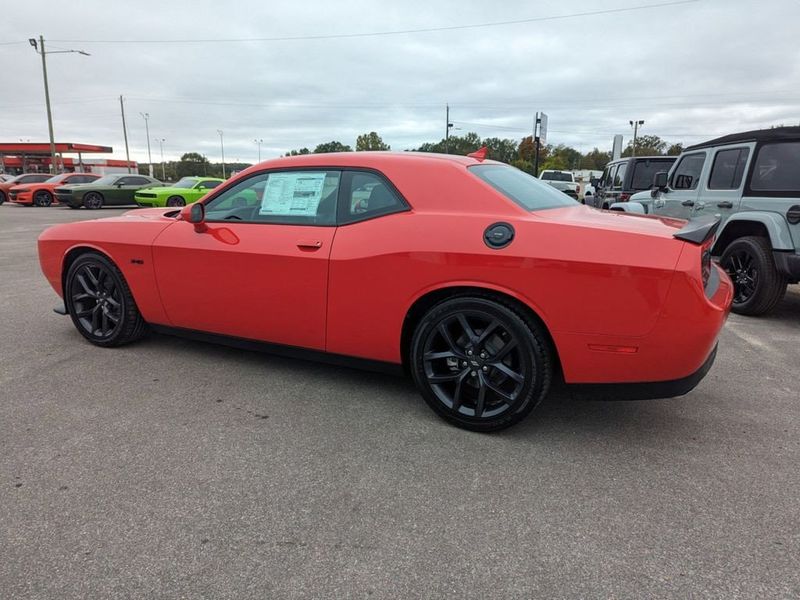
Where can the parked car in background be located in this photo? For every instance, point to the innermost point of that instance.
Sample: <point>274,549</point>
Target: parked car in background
<point>433,263</point>
<point>6,177</point>
<point>626,176</point>
<point>563,181</point>
<point>42,194</point>
<point>185,191</point>
<point>109,190</point>
<point>20,179</point>
<point>751,181</point>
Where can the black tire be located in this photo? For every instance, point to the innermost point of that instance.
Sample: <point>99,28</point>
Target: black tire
<point>74,206</point>
<point>100,302</point>
<point>93,200</point>
<point>2,196</point>
<point>176,201</point>
<point>487,375</point>
<point>758,286</point>
<point>42,198</point>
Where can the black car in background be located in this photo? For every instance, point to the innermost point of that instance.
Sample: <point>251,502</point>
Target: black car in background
<point>625,176</point>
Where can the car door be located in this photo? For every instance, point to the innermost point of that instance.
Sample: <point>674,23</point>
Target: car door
<point>680,197</point>
<point>721,189</point>
<point>200,190</point>
<point>260,269</point>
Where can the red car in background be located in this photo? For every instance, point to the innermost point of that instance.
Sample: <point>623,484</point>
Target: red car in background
<point>5,186</point>
<point>479,280</point>
<point>42,193</point>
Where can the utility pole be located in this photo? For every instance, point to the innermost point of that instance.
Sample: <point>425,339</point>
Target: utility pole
<point>125,133</point>
<point>222,149</point>
<point>163,171</point>
<point>635,125</point>
<point>448,125</point>
<point>38,46</point>
<point>146,117</point>
<point>259,141</point>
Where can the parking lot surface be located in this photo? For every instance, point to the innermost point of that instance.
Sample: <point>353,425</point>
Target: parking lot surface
<point>171,468</point>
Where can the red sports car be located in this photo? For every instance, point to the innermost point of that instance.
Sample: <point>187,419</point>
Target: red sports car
<point>479,280</point>
<point>41,193</point>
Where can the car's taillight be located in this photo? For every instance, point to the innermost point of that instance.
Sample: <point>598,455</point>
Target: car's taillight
<point>705,261</point>
<point>624,197</point>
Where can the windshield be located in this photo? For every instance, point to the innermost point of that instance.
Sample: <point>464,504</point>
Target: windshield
<point>186,182</point>
<point>107,180</point>
<point>556,176</point>
<point>644,170</point>
<point>527,191</point>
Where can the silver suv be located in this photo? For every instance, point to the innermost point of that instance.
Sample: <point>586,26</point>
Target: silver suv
<point>751,182</point>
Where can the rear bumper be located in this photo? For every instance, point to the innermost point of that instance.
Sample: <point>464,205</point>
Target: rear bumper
<point>645,390</point>
<point>788,263</point>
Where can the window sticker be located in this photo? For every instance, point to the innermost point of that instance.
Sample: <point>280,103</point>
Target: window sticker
<point>295,193</point>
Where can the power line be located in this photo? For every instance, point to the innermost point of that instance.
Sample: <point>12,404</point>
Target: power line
<point>592,13</point>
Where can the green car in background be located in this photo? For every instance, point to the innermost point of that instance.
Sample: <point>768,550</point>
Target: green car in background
<point>186,191</point>
<point>110,190</point>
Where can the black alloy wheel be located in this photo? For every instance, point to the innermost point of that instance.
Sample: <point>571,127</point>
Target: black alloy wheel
<point>100,303</point>
<point>175,201</point>
<point>479,364</point>
<point>758,286</point>
<point>42,198</point>
<point>93,200</point>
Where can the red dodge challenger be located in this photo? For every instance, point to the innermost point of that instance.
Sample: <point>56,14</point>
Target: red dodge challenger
<point>41,193</point>
<point>479,280</point>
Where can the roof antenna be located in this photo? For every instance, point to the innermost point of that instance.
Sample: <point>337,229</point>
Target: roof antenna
<point>479,154</point>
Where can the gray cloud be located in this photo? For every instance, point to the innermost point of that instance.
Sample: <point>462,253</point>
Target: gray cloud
<point>690,71</point>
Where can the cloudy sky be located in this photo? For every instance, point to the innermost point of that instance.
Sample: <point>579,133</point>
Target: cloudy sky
<point>691,70</point>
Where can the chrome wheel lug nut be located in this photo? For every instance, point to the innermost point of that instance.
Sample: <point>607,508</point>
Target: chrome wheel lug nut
<point>485,368</point>
<point>469,352</point>
<point>474,373</point>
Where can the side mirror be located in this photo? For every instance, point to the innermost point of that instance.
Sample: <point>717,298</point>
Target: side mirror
<point>196,214</point>
<point>659,183</point>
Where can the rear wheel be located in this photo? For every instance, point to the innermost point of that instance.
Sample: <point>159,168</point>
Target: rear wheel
<point>93,200</point>
<point>480,365</point>
<point>100,302</point>
<point>42,198</point>
<point>176,201</point>
<point>758,286</point>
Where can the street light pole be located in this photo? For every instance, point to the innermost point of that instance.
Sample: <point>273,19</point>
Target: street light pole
<point>163,171</point>
<point>635,125</point>
<point>39,47</point>
<point>259,142</point>
<point>222,148</point>
<point>146,117</point>
<point>448,125</point>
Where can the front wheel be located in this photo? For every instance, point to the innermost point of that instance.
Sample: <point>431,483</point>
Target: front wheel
<point>100,302</point>
<point>42,198</point>
<point>93,200</point>
<point>479,364</point>
<point>175,201</point>
<point>758,286</point>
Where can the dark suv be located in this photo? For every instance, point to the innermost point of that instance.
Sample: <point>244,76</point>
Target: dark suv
<point>625,176</point>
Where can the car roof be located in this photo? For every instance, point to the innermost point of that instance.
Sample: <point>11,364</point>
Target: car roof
<point>756,135</point>
<point>368,159</point>
<point>656,157</point>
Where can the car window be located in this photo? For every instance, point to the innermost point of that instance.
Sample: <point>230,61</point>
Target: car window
<point>38,178</point>
<point>609,177</point>
<point>645,170</point>
<point>138,181</point>
<point>368,195</point>
<point>619,176</point>
<point>288,197</point>
<point>81,179</point>
<point>728,169</point>
<point>687,174</point>
<point>524,189</point>
<point>777,168</point>
<point>208,185</point>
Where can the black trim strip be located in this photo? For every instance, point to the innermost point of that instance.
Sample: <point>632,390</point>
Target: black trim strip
<point>341,360</point>
<point>642,391</point>
<point>698,230</point>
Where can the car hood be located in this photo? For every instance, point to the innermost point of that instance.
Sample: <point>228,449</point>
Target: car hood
<point>585,216</point>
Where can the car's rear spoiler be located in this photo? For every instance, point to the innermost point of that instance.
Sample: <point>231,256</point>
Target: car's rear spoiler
<point>698,230</point>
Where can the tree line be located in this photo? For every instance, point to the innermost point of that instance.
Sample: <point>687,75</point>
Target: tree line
<point>517,153</point>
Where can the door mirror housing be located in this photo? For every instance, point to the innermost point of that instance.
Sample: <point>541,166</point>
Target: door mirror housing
<point>659,183</point>
<point>196,215</point>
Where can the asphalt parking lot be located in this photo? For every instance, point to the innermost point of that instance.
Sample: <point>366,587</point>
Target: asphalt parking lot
<point>171,468</point>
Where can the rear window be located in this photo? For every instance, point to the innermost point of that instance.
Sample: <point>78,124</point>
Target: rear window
<point>777,168</point>
<point>644,170</point>
<point>526,190</point>
<point>556,176</point>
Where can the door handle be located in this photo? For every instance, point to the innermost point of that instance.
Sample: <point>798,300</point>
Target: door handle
<point>309,244</point>
<point>688,203</point>
<point>725,204</point>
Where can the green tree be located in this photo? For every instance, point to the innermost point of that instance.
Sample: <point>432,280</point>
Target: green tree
<point>192,164</point>
<point>333,146</point>
<point>370,141</point>
<point>595,159</point>
<point>646,145</point>
<point>504,150</point>
<point>675,149</point>
<point>298,152</point>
